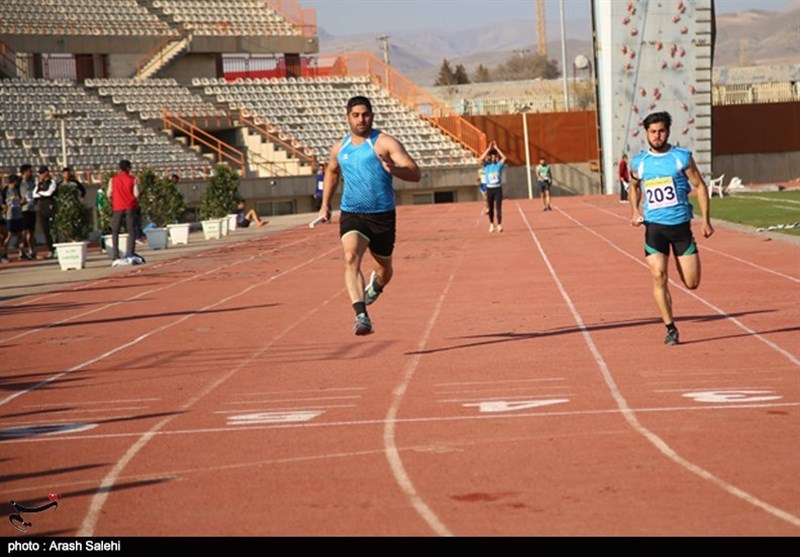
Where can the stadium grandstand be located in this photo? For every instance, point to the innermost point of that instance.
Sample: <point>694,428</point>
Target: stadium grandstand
<point>181,85</point>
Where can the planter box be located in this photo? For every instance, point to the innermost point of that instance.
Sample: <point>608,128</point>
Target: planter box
<point>232,222</point>
<point>157,238</point>
<point>223,222</point>
<point>212,229</point>
<point>71,255</point>
<point>178,233</point>
<point>108,239</point>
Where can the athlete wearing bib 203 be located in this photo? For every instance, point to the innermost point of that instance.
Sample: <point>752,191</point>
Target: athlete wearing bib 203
<point>661,178</point>
<point>667,211</point>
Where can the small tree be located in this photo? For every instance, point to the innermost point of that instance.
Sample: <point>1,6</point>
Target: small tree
<point>103,205</point>
<point>221,195</point>
<point>460,75</point>
<point>160,199</point>
<point>481,74</point>
<point>446,75</point>
<point>73,219</point>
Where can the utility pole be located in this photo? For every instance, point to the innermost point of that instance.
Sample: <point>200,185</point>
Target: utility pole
<point>384,39</point>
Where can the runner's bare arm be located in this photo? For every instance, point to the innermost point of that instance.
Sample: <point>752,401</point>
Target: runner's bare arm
<point>499,152</point>
<point>634,197</point>
<point>396,160</point>
<point>331,181</point>
<point>485,154</point>
<point>696,180</point>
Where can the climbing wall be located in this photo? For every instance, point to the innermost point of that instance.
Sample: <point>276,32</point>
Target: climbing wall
<point>653,56</point>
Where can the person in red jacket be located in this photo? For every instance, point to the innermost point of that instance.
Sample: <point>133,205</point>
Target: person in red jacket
<point>124,194</point>
<point>624,178</point>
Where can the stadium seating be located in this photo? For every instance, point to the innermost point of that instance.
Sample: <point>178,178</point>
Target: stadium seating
<point>226,17</point>
<point>148,97</point>
<point>98,136</point>
<point>80,17</point>
<point>312,110</point>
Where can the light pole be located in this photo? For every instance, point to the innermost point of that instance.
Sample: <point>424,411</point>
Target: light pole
<point>564,58</point>
<point>384,39</point>
<point>524,111</point>
<point>52,112</point>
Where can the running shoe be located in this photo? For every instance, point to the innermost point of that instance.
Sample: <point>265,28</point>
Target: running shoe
<point>491,228</point>
<point>363,325</point>
<point>24,256</point>
<point>373,289</point>
<point>672,337</point>
<point>121,262</point>
<point>499,227</point>
<point>4,259</point>
<point>136,259</point>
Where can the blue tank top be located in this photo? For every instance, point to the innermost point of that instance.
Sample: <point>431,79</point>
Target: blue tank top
<point>494,174</point>
<point>367,185</point>
<point>664,185</point>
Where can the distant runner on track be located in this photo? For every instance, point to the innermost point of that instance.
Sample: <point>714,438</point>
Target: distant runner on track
<point>667,173</point>
<point>367,159</point>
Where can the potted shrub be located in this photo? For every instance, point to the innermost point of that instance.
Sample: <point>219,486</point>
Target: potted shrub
<point>102,205</point>
<point>161,203</point>
<point>72,226</point>
<point>219,200</point>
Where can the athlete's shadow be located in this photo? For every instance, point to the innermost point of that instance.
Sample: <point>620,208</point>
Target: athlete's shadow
<point>489,339</point>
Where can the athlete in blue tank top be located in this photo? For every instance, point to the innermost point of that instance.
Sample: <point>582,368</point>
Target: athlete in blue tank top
<point>662,177</point>
<point>367,159</point>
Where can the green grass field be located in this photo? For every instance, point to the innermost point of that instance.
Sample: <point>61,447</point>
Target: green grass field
<point>757,209</point>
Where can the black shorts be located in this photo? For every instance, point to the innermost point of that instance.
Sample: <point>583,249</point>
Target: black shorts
<point>29,221</point>
<point>14,225</point>
<point>244,223</point>
<point>544,186</point>
<point>659,237</point>
<point>378,228</point>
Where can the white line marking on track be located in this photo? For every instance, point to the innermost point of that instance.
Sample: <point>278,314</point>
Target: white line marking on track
<point>390,422</point>
<point>89,402</point>
<point>722,253</point>
<point>500,397</point>
<point>680,287</point>
<point>309,407</point>
<point>293,399</point>
<point>777,200</point>
<point>497,381</point>
<point>629,414</point>
<point>503,389</point>
<point>426,420</point>
<point>90,520</point>
<point>262,393</point>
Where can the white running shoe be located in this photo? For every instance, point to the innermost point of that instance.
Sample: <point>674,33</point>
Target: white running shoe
<point>491,228</point>
<point>121,262</point>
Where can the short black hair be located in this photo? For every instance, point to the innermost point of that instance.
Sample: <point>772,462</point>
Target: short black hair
<point>14,179</point>
<point>359,100</point>
<point>24,168</point>
<point>655,117</point>
<point>125,165</point>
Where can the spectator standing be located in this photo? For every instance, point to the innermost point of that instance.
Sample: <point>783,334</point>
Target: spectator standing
<point>624,177</point>
<point>27,189</point>
<point>12,204</point>
<point>545,180</point>
<point>44,195</point>
<point>124,194</point>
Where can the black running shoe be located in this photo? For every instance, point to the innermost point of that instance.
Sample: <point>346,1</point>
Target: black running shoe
<point>363,325</point>
<point>672,337</point>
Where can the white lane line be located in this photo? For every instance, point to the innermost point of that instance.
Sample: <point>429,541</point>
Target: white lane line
<point>137,296</point>
<point>679,286</point>
<point>292,399</point>
<point>422,420</point>
<point>270,409</point>
<point>390,426</point>
<point>98,500</point>
<point>722,253</point>
<point>267,393</point>
<point>771,199</point>
<point>630,415</point>
<point>89,402</point>
<point>497,381</point>
<point>501,397</point>
<point>489,389</point>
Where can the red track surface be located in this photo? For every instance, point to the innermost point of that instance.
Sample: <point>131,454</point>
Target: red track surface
<point>516,385</point>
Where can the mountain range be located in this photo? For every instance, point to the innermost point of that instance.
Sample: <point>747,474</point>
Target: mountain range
<point>753,37</point>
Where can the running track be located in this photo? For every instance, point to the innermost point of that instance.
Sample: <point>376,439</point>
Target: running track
<point>516,384</point>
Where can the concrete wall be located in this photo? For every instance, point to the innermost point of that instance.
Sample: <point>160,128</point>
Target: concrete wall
<point>122,65</point>
<point>255,45</point>
<point>68,44</point>
<point>758,168</point>
<point>186,67</point>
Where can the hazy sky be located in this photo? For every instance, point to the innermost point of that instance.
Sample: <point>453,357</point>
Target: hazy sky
<point>355,17</point>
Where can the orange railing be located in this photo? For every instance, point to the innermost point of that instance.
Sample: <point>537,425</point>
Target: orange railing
<point>410,94</point>
<point>197,136</point>
<point>291,144</point>
<point>158,50</point>
<point>304,18</point>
